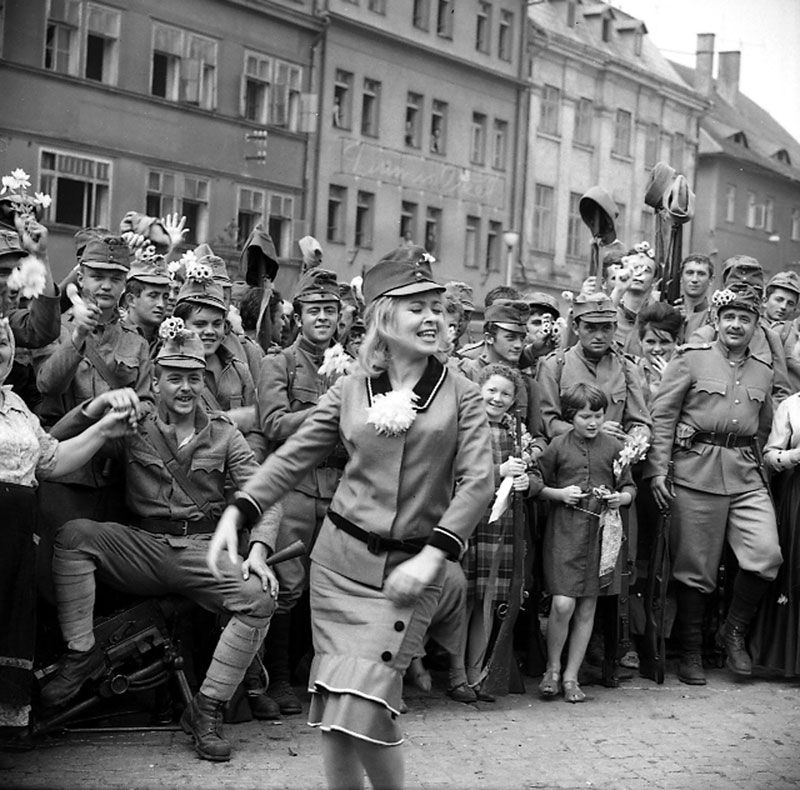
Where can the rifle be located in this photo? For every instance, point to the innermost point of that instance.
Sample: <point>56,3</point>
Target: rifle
<point>501,674</point>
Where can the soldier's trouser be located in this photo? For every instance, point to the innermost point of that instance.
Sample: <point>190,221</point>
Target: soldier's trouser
<point>302,518</point>
<point>449,624</point>
<point>134,561</point>
<point>701,522</point>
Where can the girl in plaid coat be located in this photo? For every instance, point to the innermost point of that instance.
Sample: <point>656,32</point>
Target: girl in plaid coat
<point>488,561</point>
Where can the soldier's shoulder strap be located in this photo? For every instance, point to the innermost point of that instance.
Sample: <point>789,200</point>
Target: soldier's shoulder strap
<point>687,347</point>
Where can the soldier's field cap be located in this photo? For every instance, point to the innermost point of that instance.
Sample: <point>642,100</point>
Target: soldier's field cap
<point>180,348</point>
<point>538,300</point>
<point>743,268</point>
<point>402,272</point>
<point>317,285</point>
<point>597,308</point>
<point>259,257</point>
<point>738,294</point>
<point>153,271</point>
<point>463,292</point>
<point>10,249</point>
<point>508,314</point>
<point>106,252</point>
<point>789,281</point>
<point>205,293</point>
<point>219,271</point>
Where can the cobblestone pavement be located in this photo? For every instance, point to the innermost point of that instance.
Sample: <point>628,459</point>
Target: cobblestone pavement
<point>726,735</point>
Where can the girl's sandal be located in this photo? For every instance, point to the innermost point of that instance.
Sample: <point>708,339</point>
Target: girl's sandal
<point>573,692</point>
<point>549,685</point>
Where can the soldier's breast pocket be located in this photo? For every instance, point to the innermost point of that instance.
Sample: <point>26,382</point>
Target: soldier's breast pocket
<point>303,397</point>
<point>209,467</point>
<point>126,368</point>
<point>710,387</point>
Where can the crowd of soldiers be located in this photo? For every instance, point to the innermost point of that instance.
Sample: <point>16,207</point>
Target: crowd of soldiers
<point>160,385</point>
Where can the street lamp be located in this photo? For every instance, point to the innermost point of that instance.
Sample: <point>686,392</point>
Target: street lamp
<point>510,239</point>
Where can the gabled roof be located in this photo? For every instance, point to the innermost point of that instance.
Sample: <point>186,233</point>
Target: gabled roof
<point>746,131</point>
<point>551,17</point>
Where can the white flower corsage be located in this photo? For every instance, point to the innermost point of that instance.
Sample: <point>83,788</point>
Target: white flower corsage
<point>29,278</point>
<point>335,362</point>
<point>170,328</point>
<point>392,413</point>
<point>723,297</point>
<point>199,272</point>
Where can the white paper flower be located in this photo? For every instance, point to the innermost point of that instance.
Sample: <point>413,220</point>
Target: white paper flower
<point>392,413</point>
<point>723,297</point>
<point>29,278</point>
<point>170,328</point>
<point>199,272</point>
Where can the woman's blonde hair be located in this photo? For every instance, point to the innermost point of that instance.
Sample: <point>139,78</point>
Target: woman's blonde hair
<point>380,318</point>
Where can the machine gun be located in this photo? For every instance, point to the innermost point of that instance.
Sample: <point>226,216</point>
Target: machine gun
<point>140,651</point>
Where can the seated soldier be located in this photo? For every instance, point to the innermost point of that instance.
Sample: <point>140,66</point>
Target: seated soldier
<point>176,465</point>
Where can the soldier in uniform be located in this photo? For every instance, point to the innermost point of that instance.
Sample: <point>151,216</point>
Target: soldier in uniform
<point>289,386</point>
<point>163,550</point>
<point>706,415</point>
<point>505,292</point>
<point>781,298</point>
<point>697,271</point>
<point>593,359</point>
<point>540,339</point>
<point>145,298</point>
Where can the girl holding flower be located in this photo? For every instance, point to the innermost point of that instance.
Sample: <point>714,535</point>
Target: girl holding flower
<point>417,478</point>
<point>489,559</point>
<point>580,481</point>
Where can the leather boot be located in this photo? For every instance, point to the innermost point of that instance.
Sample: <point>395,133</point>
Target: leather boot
<point>276,661</point>
<point>691,611</point>
<point>748,590</point>
<point>75,668</point>
<point>202,719</point>
<point>262,706</point>
<point>731,637</point>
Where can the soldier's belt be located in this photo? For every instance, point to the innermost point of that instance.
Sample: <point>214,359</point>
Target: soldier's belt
<point>723,439</point>
<point>177,527</point>
<point>333,462</point>
<point>376,544</point>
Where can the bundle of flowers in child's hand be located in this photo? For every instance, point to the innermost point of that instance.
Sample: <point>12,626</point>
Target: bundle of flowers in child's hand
<point>634,450</point>
<point>171,328</point>
<point>393,413</point>
<point>29,278</point>
<point>611,535</point>
<point>14,192</point>
<point>335,362</point>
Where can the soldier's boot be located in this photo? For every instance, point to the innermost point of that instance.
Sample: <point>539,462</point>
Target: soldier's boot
<point>255,683</point>
<point>74,669</point>
<point>276,660</point>
<point>202,719</point>
<point>691,610</point>
<point>748,590</point>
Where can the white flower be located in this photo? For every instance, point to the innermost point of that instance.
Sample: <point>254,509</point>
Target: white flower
<point>170,328</point>
<point>567,296</point>
<point>42,200</point>
<point>29,278</point>
<point>633,451</point>
<point>720,298</point>
<point>392,413</point>
<point>22,178</point>
<point>335,362</point>
<point>427,258</point>
<point>187,258</point>
<point>782,600</point>
<point>199,272</point>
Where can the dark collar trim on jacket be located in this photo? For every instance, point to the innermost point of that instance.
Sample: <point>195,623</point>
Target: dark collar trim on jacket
<point>425,389</point>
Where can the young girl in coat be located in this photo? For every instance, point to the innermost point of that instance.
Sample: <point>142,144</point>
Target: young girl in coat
<point>573,467</point>
<point>489,560</point>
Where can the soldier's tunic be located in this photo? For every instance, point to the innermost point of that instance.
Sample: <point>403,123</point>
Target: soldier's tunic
<point>719,490</point>
<point>431,482</point>
<point>614,373</point>
<point>289,386</point>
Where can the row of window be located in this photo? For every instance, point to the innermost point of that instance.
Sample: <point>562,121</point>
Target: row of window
<point>480,251</point>
<point>417,134</point>
<point>80,189</point>
<point>82,39</point>
<point>760,212</point>
<point>550,123</point>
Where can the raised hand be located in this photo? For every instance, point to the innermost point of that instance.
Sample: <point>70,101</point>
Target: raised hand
<point>176,229</point>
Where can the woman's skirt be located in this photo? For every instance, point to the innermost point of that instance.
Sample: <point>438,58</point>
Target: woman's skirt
<point>775,635</point>
<point>363,644</point>
<point>17,602</point>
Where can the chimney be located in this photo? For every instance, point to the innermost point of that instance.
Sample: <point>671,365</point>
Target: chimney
<point>728,76</point>
<point>704,64</point>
